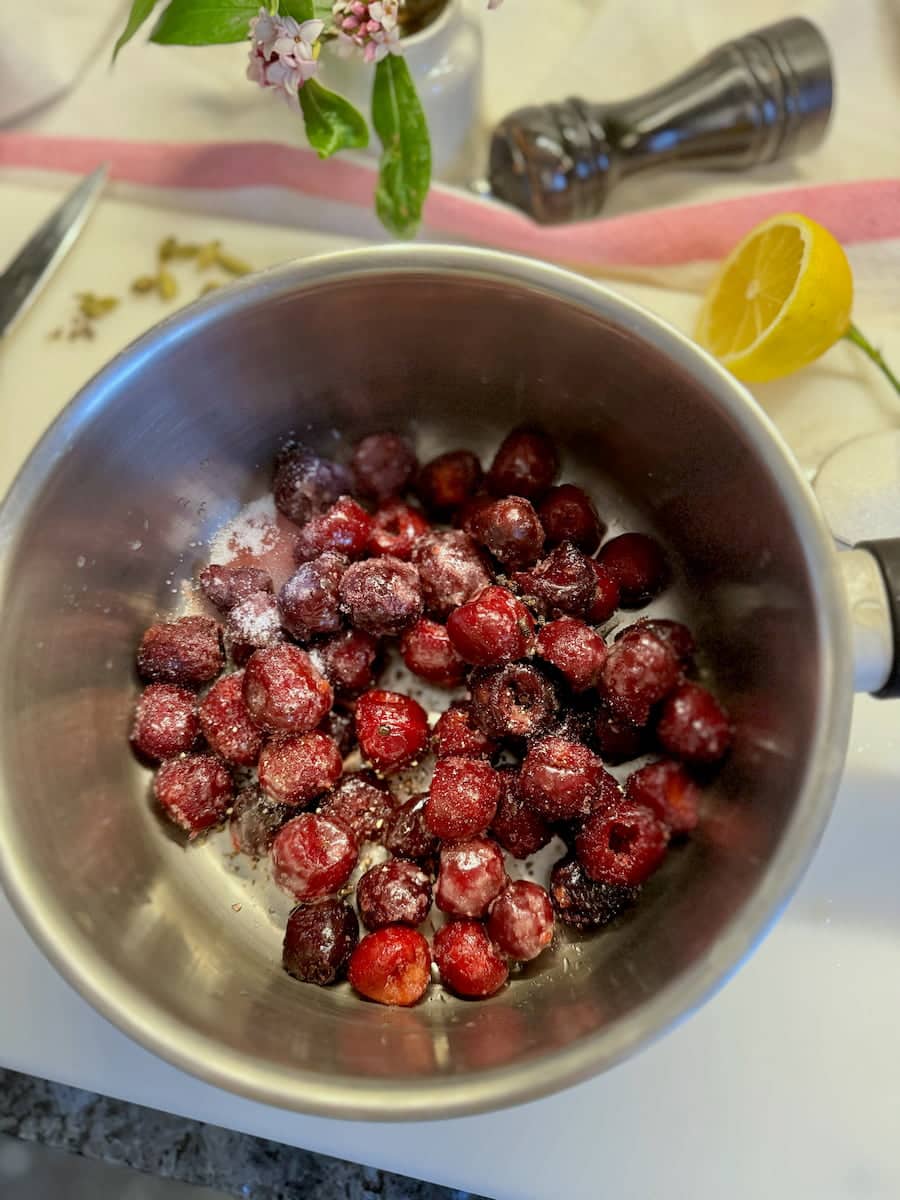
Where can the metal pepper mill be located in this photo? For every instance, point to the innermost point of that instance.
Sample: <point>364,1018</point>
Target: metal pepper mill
<point>762,97</point>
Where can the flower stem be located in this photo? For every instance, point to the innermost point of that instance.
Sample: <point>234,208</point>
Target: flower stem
<point>858,338</point>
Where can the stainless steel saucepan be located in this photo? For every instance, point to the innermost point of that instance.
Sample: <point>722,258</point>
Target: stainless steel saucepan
<point>110,513</point>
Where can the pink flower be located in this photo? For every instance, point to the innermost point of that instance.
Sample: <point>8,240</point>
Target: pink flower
<point>282,52</point>
<point>369,27</point>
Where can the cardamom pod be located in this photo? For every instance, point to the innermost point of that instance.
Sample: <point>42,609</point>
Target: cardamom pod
<point>145,283</point>
<point>167,284</point>
<point>93,306</point>
<point>232,264</point>
<point>207,255</point>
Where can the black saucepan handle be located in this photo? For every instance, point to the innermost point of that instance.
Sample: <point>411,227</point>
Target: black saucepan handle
<point>886,552</point>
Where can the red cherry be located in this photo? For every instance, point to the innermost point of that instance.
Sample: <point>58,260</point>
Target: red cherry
<point>463,798</point>
<point>391,966</point>
<point>392,729</point>
<point>395,528</point>
<point>469,963</point>
<point>313,856</point>
<point>429,653</point>
<point>165,721</point>
<point>622,845</point>
<point>493,628</point>
<point>521,920</point>
<point>637,563</point>
<point>668,791</point>
<point>471,875</point>
<point>576,650</point>
<point>694,726</point>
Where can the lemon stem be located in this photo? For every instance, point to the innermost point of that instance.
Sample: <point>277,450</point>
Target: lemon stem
<point>858,338</point>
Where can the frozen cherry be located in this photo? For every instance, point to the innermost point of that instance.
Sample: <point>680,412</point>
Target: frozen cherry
<point>638,565</point>
<point>348,660</point>
<point>516,826</point>
<point>673,633</point>
<point>339,725</point>
<point>395,528</point>
<point>471,875</point>
<point>576,650</point>
<point>562,780</point>
<point>526,463</point>
<point>469,963</point>
<point>313,856</point>
<point>429,653</point>
<point>306,484</point>
<point>319,940</point>
<point>226,722</point>
<point>493,628</point>
<point>194,792</point>
<point>393,893</point>
<point>165,721</point>
<point>574,724</point>
<point>451,569</point>
<point>606,595</point>
<point>463,798</point>
<point>344,529</point>
<point>515,700</point>
<point>408,836</point>
<point>255,819</point>
<point>582,902</point>
<point>227,586</point>
<point>562,583</point>
<point>639,671</point>
<point>310,599</point>
<point>382,596</point>
<point>694,726</point>
<point>391,966</point>
<point>252,624</point>
<point>568,515</point>
<point>363,804</point>
<point>383,465</point>
<point>521,920</point>
<point>392,729</point>
<point>454,733</point>
<point>622,845</point>
<point>187,651</point>
<point>466,516</point>
<point>295,768</point>
<point>448,481</point>
<point>284,692</point>
<point>616,739</point>
<point>511,530</point>
<point>668,791</point>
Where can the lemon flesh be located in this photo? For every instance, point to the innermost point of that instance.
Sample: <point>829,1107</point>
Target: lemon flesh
<point>781,299</point>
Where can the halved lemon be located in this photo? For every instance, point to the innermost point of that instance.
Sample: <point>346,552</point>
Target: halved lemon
<point>781,299</point>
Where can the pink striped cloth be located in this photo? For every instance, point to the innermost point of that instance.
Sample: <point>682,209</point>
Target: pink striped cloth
<point>856,212</point>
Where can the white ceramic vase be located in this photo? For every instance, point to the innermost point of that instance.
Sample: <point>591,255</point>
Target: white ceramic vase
<point>445,61</point>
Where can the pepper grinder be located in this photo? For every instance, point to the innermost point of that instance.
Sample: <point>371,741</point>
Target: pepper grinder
<point>762,97</point>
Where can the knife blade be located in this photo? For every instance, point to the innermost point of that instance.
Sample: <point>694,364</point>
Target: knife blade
<point>23,279</point>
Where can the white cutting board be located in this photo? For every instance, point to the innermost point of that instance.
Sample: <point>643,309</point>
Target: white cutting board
<point>786,1085</point>
<point>39,375</point>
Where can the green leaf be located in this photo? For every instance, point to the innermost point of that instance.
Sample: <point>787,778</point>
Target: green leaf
<point>405,168</point>
<point>332,123</point>
<point>300,10</point>
<point>204,22</point>
<point>140,11</point>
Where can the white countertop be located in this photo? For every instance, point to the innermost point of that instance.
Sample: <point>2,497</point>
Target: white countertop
<point>787,1084</point>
